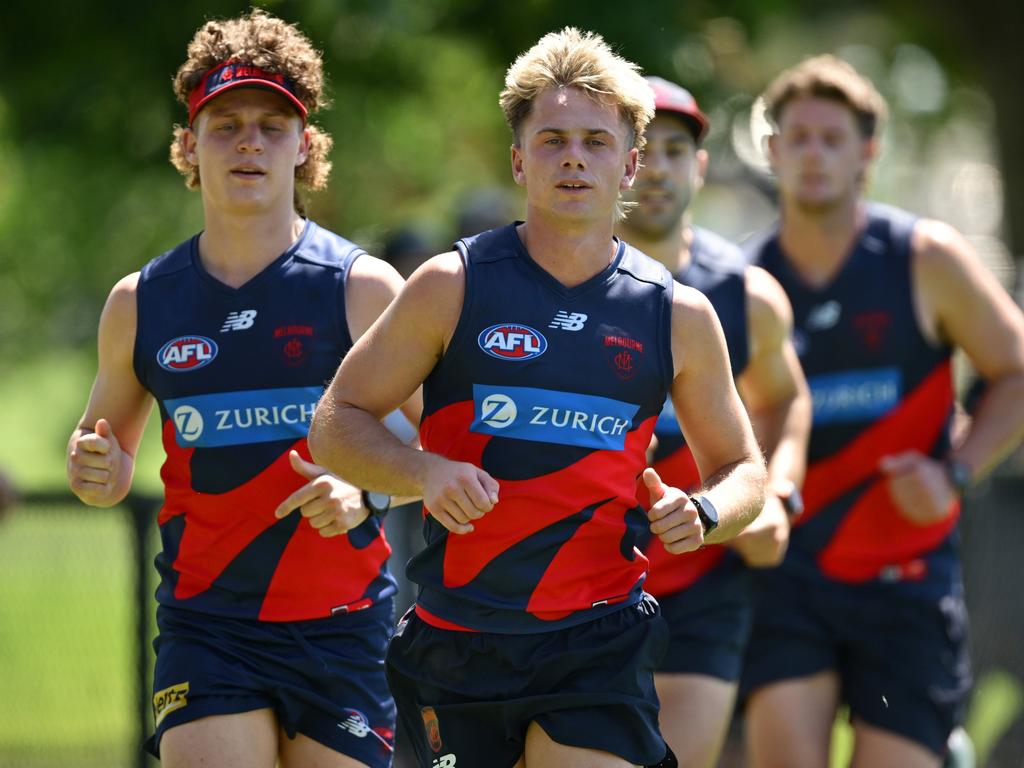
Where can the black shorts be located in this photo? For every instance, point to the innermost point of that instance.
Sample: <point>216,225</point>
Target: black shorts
<point>323,678</point>
<point>709,624</point>
<point>903,661</point>
<point>467,698</point>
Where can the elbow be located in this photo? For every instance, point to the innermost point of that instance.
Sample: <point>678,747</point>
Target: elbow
<point>759,472</point>
<point>317,439</point>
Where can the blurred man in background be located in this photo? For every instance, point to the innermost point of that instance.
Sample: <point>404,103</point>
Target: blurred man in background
<point>272,625</point>
<point>867,607</point>
<point>547,349</point>
<point>703,595</point>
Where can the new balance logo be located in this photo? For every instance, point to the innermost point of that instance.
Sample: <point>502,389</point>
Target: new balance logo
<point>355,725</point>
<point>823,316</point>
<point>239,321</point>
<point>568,321</point>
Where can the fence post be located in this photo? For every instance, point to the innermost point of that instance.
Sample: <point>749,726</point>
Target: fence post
<point>143,511</point>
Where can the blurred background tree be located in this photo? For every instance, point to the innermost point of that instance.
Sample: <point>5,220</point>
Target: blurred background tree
<point>86,194</point>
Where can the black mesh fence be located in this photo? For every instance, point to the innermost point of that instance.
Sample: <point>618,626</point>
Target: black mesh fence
<point>75,630</point>
<point>76,625</point>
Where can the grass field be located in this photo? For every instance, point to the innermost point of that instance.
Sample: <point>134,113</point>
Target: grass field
<point>66,638</point>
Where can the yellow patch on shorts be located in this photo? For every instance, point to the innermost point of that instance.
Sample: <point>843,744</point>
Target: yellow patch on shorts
<point>168,700</point>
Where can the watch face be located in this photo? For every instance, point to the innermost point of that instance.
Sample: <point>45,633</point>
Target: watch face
<point>793,503</point>
<point>376,502</point>
<point>707,513</point>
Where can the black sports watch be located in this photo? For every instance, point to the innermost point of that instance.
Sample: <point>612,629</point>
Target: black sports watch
<point>377,503</point>
<point>958,474</point>
<point>706,512</point>
<point>789,495</point>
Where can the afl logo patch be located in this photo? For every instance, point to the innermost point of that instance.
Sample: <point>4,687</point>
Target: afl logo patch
<point>510,341</point>
<point>186,353</point>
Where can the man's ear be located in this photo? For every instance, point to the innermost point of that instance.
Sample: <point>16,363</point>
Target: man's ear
<point>518,166</point>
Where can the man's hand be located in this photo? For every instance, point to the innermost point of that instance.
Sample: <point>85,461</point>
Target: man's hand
<point>762,544</point>
<point>332,506</point>
<point>919,486</point>
<point>456,493</point>
<point>673,516</point>
<point>95,465</point>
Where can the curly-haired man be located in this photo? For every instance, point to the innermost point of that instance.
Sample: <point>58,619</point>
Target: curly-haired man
<point>272,625</point>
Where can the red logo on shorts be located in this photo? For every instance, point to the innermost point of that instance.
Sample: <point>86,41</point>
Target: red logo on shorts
<point>432,727</point>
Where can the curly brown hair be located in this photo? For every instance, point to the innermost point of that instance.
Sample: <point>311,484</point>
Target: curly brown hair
<point>267,42</point>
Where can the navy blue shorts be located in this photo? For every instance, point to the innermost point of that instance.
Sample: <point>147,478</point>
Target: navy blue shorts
<point>467,698</point>
<point>709,624</point>
<point>903,661</point>
<point>323,678</point>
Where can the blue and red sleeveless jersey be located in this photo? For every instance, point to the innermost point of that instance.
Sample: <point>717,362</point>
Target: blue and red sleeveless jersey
<point>553,391</point>
<point>879,387</point>
<point>717,269</point>
<point>237,374</point>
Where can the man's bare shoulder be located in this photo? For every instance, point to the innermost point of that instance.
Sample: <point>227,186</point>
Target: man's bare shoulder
<point>768,307</point>
<point>689,307</point>
<point>121,303</point>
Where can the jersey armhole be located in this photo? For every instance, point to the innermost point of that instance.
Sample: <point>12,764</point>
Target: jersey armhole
<point>467,298</point>
<point>342,330</point>
<point>137,362</point>
<point>665,353</point>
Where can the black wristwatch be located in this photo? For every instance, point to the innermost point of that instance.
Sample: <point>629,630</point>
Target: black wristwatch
<point>706,512</point>
<point>789,495</point>
<point>958,474</point>
<point>377,503</point>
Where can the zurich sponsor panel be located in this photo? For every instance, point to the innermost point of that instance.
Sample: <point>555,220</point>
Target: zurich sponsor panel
<point>852,396</point>
<point>240,418</point>
<point>551,416</point>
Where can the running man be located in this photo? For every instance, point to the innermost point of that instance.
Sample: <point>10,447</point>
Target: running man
<point>546,349</point>
<point>275,603</point>
<point>867,607</point>
<point>704,596</point>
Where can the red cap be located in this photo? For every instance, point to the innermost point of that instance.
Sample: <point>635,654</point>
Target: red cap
<point>669,97</point>
<point>232,74</point>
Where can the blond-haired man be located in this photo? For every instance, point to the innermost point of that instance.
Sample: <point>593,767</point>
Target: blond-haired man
<point>546,349</point>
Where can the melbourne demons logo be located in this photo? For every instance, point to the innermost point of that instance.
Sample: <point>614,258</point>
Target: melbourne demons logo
<point>509,341</point>
<point>186,353</point>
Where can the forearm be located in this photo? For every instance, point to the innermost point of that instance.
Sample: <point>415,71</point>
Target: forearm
<point>357,447</point>
<point>997,426</point>
<point>782,433</point>
<point>737,491</point>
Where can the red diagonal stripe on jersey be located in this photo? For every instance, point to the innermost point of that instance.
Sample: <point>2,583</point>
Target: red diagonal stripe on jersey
<point>216,532</point>
<point>316,575</point>
<point>873,535</point>
<point>914,425</point>
<point>527,507</point>
<point>671,573</point>
<point>446,432</point>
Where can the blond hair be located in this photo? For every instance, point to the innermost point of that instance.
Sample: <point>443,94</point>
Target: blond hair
<point>583,60</point>
<point>828,77</point>
<point>264,41</point>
